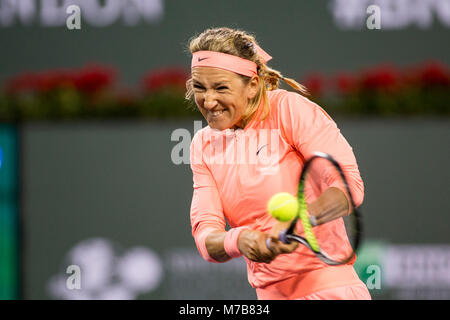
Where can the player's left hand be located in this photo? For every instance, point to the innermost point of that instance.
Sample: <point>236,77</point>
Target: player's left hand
<point>332,204</point>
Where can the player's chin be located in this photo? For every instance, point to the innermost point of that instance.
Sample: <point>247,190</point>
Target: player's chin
<point>220,123</point>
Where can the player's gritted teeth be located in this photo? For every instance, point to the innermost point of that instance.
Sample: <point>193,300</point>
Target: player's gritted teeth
<point>216,113</point>
<point>218,118</point>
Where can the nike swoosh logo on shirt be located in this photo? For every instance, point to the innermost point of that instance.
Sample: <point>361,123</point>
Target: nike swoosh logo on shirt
<point>261,149</point>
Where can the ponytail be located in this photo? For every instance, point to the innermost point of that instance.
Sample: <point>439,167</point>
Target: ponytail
<point>272,78</point>
<point>297,86</point>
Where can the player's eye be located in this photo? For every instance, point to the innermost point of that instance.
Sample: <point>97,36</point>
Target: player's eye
<point>198,87</point>
<point>222,88</point>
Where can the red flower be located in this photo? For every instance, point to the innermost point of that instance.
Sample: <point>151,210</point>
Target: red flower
<point>23,82</point>
<point>94,78</point>
<point>434,74</point>
<point>54,79</point>
<point>345,82</point>
<point>383,77</point>
<point>410,77</point>
<point>88,80</point>
<point>166,77</point>
<point>315,83</point>
<point>38,81</point>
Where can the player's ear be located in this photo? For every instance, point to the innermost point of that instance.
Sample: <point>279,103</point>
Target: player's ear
<point>253,87</point>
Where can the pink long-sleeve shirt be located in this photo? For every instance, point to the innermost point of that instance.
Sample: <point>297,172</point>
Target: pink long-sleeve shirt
<point>235,172</point>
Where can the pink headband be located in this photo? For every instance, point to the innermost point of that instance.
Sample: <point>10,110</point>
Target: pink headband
<point>228,61</point>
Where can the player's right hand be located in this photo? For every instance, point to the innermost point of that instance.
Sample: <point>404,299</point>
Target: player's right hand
<point>278,244</point>
<point>253,245</point>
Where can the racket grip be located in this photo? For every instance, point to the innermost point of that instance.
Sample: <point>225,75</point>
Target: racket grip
<point>268,243</point>
<point>283,236</point>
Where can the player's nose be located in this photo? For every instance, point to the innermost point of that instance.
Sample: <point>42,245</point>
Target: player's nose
<point>210,101</point>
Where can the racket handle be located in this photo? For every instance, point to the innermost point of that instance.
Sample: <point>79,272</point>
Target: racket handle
<point>283,236</point>
<point>268,243</point>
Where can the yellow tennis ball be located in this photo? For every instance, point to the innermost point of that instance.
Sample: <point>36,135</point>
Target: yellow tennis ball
<point>283,206</point>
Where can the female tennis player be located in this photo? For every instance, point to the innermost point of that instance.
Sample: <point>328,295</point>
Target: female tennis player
<point>238,95</point>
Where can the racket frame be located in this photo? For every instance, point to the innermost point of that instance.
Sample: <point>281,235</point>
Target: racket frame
<point>287,235</point>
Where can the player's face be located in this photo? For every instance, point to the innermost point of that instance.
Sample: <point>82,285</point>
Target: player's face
<point>222,96</point>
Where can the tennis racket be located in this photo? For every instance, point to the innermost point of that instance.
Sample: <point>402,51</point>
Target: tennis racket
<point>334,242</point>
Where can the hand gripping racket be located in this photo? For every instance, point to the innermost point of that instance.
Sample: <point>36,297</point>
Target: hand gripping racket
<point>334,242</point>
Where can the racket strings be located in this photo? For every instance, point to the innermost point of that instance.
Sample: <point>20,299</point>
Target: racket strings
<point>303,214</point>
<point>334,240</point>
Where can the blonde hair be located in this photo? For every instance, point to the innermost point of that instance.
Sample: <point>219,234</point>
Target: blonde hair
<point>241,44</point>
